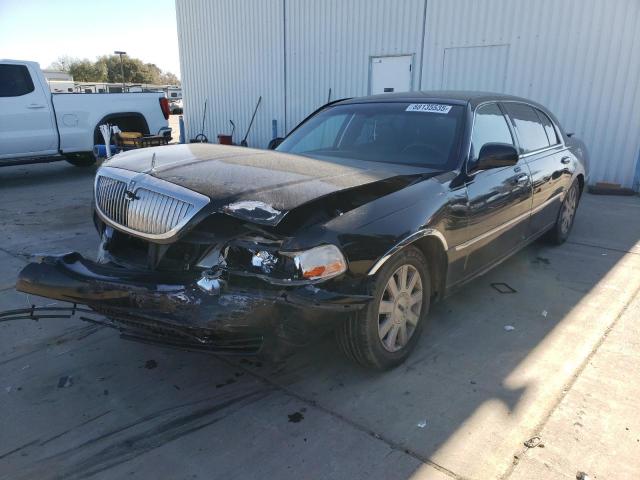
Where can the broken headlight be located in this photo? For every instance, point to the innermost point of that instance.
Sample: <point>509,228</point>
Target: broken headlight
<point>318,263</point>
<point>284,268</point>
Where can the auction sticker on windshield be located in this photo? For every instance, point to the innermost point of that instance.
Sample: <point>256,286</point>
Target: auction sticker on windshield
<point>428,108</point>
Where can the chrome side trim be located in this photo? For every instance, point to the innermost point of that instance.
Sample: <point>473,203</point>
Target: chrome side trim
<point>508,224</point>
<point>542,150</point>
<point>156,206</point>
<point>425,232</point>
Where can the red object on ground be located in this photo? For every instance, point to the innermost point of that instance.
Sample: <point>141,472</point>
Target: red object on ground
<point>225,139</point>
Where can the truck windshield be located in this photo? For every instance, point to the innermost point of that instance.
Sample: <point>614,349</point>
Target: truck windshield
<point>424,134</point>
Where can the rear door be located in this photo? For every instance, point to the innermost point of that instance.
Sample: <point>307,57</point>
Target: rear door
<point>548,159</point>
<point>499,199</point>
<point>26,123</point>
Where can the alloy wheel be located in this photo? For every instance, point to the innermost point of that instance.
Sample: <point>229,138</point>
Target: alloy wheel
<point>569,210</point>
<point>400,307</point>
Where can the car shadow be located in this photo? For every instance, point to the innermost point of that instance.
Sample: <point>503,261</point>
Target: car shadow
<point>472,392</point>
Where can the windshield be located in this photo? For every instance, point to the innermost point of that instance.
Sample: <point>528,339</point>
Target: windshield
<point>424,134</point>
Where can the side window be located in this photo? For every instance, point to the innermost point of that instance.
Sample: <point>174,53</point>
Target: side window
<point>489,126</point>
<point>15,81</point>
<point>548,128</point>
<point>531,133</point>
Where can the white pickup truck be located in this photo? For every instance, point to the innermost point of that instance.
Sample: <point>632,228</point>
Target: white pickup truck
<point>38,126</point>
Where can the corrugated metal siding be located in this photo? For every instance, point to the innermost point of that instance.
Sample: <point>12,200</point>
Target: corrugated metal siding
<point>231,52</point>
<point>329,44</point>
<point>580,58</point>
<point>460,72</point>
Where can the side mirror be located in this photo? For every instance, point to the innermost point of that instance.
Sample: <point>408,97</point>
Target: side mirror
<point>273,144</point>
<point>496,155</point>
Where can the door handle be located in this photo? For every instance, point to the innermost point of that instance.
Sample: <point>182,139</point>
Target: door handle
<point>565,160</point>
<point>520,179</point>
<point>35,105</point>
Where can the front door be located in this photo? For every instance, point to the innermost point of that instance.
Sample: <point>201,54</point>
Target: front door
<point>26,124</point>
<point>391,74</point>
<point>499,200</point>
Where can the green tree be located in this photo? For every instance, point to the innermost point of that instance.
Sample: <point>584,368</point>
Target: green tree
<point>86,71</point>
<point>107,69</point>
<point>168,78</point>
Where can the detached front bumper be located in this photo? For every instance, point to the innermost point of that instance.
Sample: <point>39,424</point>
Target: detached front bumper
<point>244,316</point>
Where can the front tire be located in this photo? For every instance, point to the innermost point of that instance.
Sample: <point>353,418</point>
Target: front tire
<point>566,216</point>
<point>383,335</point>
<point>81,159</point>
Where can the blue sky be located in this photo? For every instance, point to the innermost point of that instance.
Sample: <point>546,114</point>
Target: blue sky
<point>44,30</point>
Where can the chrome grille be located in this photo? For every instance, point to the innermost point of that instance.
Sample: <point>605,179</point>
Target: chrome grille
<point>143,205</point>
<point>153,212</point>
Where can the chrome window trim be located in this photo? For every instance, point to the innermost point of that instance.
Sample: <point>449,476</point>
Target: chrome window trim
<point>425,232</point>
<point>509,223</point>
<point>145,181</point>
<point>542,150</point>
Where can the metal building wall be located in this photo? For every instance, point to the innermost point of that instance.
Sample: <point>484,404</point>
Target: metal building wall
<point>329,42</point>
<point>231,52</point>
<point>580,58</point>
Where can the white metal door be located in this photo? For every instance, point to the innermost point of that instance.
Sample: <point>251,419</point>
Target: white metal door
<point>26,126</point>
<point>391,74</point>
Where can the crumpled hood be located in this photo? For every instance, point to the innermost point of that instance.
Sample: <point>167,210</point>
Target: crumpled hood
<point>249,183</point>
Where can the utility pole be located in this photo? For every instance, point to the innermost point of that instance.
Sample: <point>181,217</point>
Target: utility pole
<point>121,66</point>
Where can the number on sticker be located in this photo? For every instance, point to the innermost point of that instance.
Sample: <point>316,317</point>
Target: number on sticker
<point>429,108</point>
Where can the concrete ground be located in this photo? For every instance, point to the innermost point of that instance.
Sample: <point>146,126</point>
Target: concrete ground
<point>76,401</point>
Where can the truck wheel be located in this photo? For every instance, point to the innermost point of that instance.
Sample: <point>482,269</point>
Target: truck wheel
<point>81,159</point>
<point>567,214</point>
<point>384,334</point>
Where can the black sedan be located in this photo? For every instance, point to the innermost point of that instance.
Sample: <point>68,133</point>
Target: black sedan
<point>368,212</point>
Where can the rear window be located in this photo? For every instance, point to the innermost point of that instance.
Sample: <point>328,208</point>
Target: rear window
<point>424,134</point>
<point>548,128</point>
<point>15,81</point>
<point>531,133</point>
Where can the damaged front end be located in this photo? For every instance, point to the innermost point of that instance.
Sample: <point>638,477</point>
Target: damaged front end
<point>212,282</point>
<point>228,273</point>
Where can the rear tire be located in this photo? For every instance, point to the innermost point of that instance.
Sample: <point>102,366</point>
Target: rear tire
<point>566,216</point>
<point>383,335</point>
<point>81,159</point>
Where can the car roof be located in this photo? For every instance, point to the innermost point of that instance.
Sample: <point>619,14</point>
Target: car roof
<point>456,97</point>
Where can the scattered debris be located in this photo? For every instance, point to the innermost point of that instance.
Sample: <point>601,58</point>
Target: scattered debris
<point>105,392</point>
<point>65,381</point>
<point>533,442</point>
<point>295,417</point>
<point>503,288</point>
<point>472,382</point>
<point>422,423</point>
<point>150,364</point>
<point>544,260</point>
<point>508,328</point>
<point>582,476</point>
<point>544,313</point>
<point>8,389</point>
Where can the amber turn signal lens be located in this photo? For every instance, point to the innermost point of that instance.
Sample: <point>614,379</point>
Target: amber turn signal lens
<point>320,263</point>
